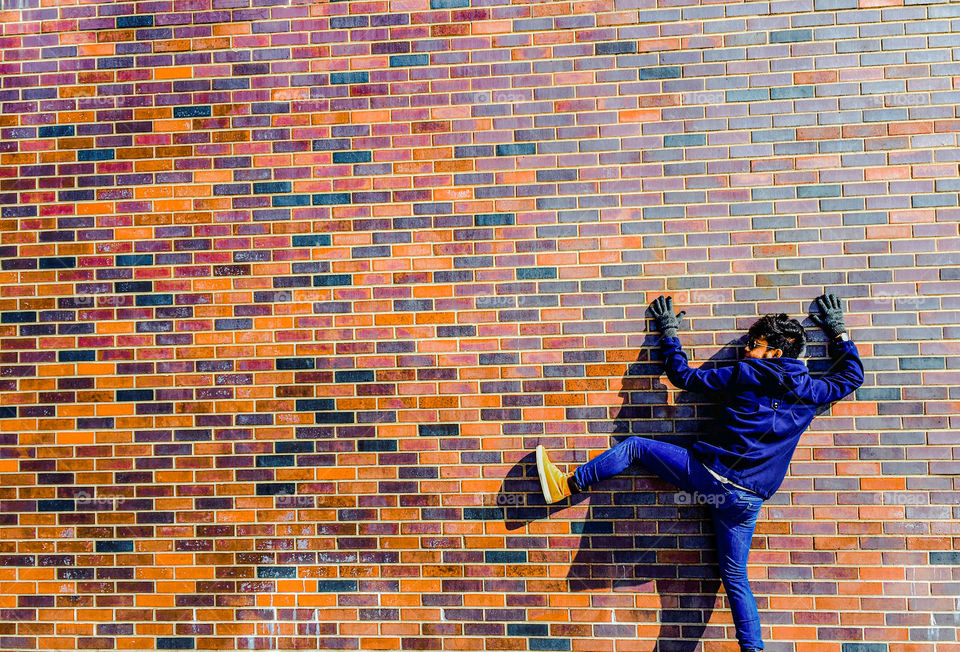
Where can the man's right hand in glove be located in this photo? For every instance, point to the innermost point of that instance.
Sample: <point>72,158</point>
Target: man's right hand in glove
<point>662,311</point>
<point>830,318</point>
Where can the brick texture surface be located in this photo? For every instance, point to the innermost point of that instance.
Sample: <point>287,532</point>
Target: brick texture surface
<point>290,292</point>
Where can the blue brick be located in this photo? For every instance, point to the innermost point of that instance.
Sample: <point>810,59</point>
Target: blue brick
<point>197,111</point>
<point>314,404</point>
<point>76,356</point>
<point>530,273</point>
<point>276,489</point>
<point>331,199</point>
<point>357,156</point>
<point>123,260</point>
<point>142,20</point>
<point>404,60</point>
<point>61,505</point>
<point>313,240</point>
<point>929,201</point>
<point>819,190</point>
<point>864,647</point>
<point>55,131</point>
<point>772,135</point>
<point>517,149</point>
<point>536,644</point>
<point>615,47</point>
<point>134,394</point>
<point>290,200</point>
<point>19,317</point>
<point>359,77</point>
<point>791,36</point>
<point>154,300</point>
<point>747,95</point>
<point>114,546</point>
<point>175,643</point>
<point>527,629</point>
<point>354,376</point>
<point>945,558</point>
<point>684,140</point>
<point>95,155</point>
<point>505,556</point>
<point>438,429</point>
<point>276,571</point>
<point>58,262</point>
<point>791,92</point>
<point>296,363</point>
<point>663,72</point>
<point>494,219</point>
<point>327,280</point>
<point>337,586</point>
<point>271,187</point>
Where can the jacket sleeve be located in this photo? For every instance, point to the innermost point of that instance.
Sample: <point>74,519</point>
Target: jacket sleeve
<point>697,380</point>
<point>844,376</point>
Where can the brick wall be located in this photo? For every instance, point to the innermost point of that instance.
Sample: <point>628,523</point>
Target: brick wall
<point>291,291</point>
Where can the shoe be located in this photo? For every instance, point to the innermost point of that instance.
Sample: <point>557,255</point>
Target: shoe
<point>553,481</point>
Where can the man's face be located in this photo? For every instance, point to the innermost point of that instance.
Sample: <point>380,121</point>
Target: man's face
<point>757,348</point>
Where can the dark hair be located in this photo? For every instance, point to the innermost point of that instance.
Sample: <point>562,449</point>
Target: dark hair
<point>780,332</point>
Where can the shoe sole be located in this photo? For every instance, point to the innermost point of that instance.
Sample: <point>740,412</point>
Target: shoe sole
<point>541,456</point>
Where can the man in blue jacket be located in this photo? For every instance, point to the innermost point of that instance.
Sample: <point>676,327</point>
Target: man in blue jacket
<point>768,400</point>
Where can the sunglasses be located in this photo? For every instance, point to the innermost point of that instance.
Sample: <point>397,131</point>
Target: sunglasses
<point>752,344</point>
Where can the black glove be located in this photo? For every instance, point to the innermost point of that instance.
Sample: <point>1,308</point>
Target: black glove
<point>667,322</point>
<point>830,318</point>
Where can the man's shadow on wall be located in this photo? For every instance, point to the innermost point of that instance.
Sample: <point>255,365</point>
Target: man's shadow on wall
<point>638,529</point>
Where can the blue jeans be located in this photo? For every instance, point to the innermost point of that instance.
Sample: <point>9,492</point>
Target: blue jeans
<point>734,513</point>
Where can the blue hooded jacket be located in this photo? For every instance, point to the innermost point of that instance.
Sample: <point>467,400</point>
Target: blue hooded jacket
<point>766,406</point>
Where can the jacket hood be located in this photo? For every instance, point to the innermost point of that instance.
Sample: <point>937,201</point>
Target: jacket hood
<point>772,373</point>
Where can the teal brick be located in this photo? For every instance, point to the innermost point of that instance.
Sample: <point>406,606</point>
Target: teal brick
<point>358,77</point>
<point>140,20</point>
<point>925,362</point>
<point>55,131</point>
<point>337,586</point>
<point>291,200</point>
<point>819,190</point>
<point>791,92</point>
<point>772,135</point>
<point>95,155</point>
<point>505,556</point>
<point>405,60</point>
<point>791,36</point>
<point>270,187</point>
<point>529,273</point>
<point>684,140</point>
<point>945,558</point>
<point>932,201</point>
<point>331,198</point>
<point>537,644</point>
<point>312,240</point>
<point>449,4</point>
<point>198,111</point>
<point>494,219</point>
<point>878,394</point>
<point>517,149</point>
<point>327,280</point>
<point>748,95</point>
<point>662,72</point>
<point>355,156</point>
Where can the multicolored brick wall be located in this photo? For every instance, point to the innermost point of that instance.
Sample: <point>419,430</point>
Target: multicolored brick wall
<point>291,291</point>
